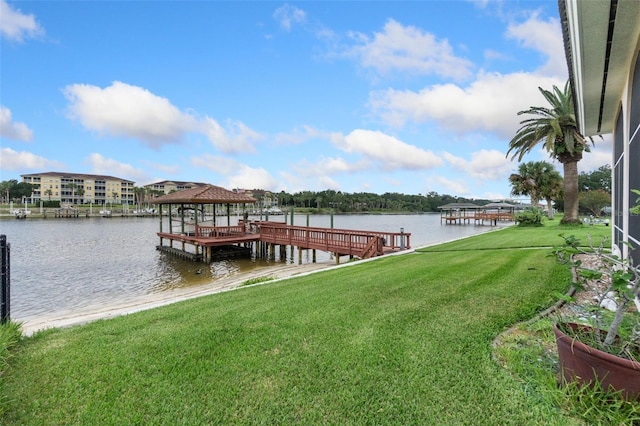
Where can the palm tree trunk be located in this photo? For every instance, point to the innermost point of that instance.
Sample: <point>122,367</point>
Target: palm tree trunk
<point>549,209</point>
<point>570,193</point>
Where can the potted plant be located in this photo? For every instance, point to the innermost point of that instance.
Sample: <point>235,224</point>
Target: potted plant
<point>602,344</point>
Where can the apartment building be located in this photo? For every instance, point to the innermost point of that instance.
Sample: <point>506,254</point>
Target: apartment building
<point>169,186</point>
<point>77,188</point>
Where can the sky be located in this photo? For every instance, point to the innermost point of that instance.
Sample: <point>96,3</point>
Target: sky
<point>410,97</point>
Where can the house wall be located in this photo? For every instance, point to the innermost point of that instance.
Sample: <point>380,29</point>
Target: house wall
<point>626,167</point>
<point>634,159</point>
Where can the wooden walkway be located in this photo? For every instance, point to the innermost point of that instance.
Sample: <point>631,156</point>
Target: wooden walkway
<point>362,244</point>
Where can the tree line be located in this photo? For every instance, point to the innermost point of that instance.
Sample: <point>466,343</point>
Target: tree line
<point>594,190</point>
<point>359,202</point>
<point>340,202</point>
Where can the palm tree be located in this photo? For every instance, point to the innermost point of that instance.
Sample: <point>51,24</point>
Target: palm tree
<point>551,189</point>
<point>73,187</point>
<point>557,127</point>
<point>49,193</point>
<point>539,180</point>
<point>525,182</point>
<point>80,193</point>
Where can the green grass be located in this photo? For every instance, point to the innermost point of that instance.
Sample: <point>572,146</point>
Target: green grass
<point>257,280</point>
<point>529,353</point>
<point>526,237</point>
<point>9,337</point>
<point>401,340</point>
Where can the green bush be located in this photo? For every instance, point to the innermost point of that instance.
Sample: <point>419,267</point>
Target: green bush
<point>530,217</point>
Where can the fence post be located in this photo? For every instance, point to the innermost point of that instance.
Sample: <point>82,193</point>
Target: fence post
<point>5,249</point>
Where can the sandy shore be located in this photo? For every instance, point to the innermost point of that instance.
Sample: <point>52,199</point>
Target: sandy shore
<point>66,319</point>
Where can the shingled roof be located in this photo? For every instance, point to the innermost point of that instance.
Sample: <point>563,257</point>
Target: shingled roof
<point>207,194</point>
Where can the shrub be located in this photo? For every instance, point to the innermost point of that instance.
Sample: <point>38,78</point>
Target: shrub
<point>530,217</point>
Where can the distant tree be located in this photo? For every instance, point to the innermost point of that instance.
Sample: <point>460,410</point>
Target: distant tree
<point>140,194</point>
<point>557,128</point>
<point>5,189</point>
<point>73,187</point>
<point>551,189</point>
<point>537,180</point>
<point>80,193</point>
<point>595,201</point>
<point>48,192</point>
<point>596,179</point>
<point>16,191</point>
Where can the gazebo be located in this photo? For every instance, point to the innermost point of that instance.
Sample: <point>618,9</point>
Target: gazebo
<point>189,208</point>
<point>499,211</point>
<point>458,212</point>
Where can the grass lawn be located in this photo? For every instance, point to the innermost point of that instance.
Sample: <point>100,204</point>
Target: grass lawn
<point>400,340</point>
<point>527,237</point>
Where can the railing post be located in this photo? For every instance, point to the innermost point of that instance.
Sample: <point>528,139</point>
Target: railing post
<point>5,286</point>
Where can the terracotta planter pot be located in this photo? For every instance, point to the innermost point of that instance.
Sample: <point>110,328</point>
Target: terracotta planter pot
<point>586,365</point>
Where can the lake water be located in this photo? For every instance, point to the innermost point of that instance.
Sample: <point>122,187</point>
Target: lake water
<point>62,265</point>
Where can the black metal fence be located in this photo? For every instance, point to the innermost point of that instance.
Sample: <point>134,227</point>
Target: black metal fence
<point>5,285</point>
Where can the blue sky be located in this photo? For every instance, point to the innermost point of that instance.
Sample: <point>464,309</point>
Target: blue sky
<point>411,97</point>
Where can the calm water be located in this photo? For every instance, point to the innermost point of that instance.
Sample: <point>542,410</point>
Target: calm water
<point>61,265</point>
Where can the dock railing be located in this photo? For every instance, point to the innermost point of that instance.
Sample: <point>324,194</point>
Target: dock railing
<point>219,231</point>
<point>342,241</point>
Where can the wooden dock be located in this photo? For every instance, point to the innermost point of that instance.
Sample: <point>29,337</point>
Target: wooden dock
<point>466,213</point>
<point>340,242</point>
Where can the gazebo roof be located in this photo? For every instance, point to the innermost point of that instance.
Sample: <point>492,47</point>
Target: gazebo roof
<point>207,194</point>
<point>499,205</point>
<point>453,206</point>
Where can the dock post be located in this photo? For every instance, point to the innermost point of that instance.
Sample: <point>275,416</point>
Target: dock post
<point>5,309</point>
<point>299,255</point>
<point>337,258</point>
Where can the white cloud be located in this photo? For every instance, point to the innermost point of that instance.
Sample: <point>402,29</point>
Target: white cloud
<point>16,25</point>
<point>328,183</point>
<point>131,111</point>
<point>14,160</point>
<point>11,129</point>
<point>288,15</point>
<point>108,166</point>
<point>490,103</point>
<point>544,37</point>
<point>408,49</point>
<point>493,196</point>
<point>216,163</point>
<point>237,137</point>
<point>601,154</point>
<point>452,186</point>
<point>390,152</point>
<point>253,178</point>
<point>236,174</point>
<point>166,169</point>
<point>329,166</point>
<point>299,135</point>
<point>484,164</point>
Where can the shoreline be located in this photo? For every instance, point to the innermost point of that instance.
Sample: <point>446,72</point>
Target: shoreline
<point>87,314</point>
